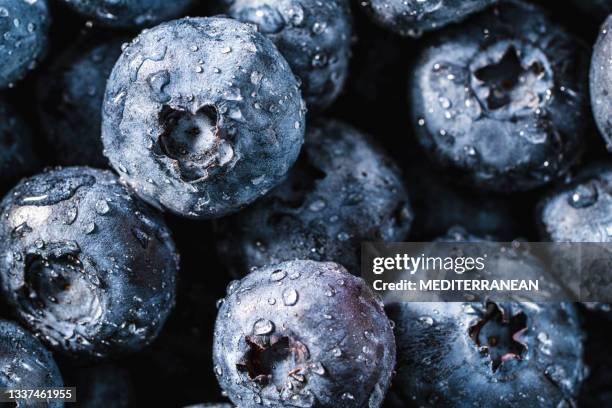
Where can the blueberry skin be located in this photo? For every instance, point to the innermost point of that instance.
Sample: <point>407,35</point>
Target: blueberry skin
<point>314,36</point>
<point>343,191</point>
<point>130,13</point>
<point>504,110</point>
<point>441,362</point>
<point>579,211</point>
<point>85,266</point>
<point>601,82</point>
<point>202,116</point>
<point>25,363</point>
<point>24,26</point>
<point>312,320</point>
<point>70,96</point>
<point>17,158</point>
<point>413,17</point>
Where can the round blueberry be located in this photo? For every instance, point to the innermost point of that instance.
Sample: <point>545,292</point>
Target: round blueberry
<point>413,17</point>
<point>130,13</point>
<point>70,100</point>
<point>26,364</point>
<point>211,405</point>
<point>496,101</point>
<point>304,334</point>
<point>601,82</point>
<point>85,266</point>
<point>17,158</point>
<point>344,190</point>
<point>314,36</point>
<point>23,38</point>
<point>489,354</point>
<point>202,116</point>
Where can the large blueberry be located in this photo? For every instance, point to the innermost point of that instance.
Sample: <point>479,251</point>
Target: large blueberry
<point>17,158</point>
<point>130,13</point>
<point>413,17</point>
<point>303,334</point>
<point>70,98</point>
<point>202,116</point>
<point>314,36</point>
<point>26,364</point>
<point>84,265</point>
<point>343,191</point>
<point>497,101</point>
<point>601,82</point>
<point>507,354</point>
<point>23,37</point>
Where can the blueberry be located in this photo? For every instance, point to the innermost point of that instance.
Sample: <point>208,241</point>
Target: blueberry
<point>496,101</point>
<point>202,116</point>
<point>303,334</point>
<point>210,405</point>
<point>413,17</point>
<point>343,191</point>
<point>85,266</point>
<point>130,13</point>
<point>17,158</point>
<point>25,363</point>
<point>489,354</point>
<point>70,98</point>
<point>314,36</point>
<point>601,82</point>
<point>23,38</point>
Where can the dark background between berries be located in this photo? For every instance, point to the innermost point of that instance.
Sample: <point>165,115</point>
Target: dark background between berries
<point>176,370</point>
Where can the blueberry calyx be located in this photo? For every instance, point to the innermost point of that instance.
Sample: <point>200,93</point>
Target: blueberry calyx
<point>511,79</point>
<point>276,360</point>
<point>193,142</point>
<point>499,335</point>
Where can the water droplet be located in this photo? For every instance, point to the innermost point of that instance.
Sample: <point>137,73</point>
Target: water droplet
<point>278,275</point>
<point>232,286</point>
<point>426,320</point>
<point>317,205</point>
<point>102,207</point>
<point>263,327</point>
<point>585,195</point>
<point>290,297</point>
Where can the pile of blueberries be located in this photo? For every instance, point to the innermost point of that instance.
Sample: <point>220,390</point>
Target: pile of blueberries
<point>185,198</point>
